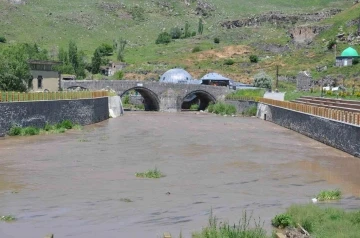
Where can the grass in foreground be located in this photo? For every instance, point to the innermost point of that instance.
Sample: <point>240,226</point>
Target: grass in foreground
<point>321,222</point>
<point>8,218</point>
<point>216,229</point>
<point>326,195</point>
<point>152,173</point>
<point>222,108</point>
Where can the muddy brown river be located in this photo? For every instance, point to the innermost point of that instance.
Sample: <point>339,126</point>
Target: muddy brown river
<point>76,184</point>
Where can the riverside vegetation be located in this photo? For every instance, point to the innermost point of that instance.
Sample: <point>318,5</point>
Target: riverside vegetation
<point>151,173</point>
<point>48,129</point>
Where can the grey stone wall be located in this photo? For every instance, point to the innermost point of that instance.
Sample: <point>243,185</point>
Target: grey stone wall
<point>38,113</point>
<point>241,105</point>
<point>343,136</point>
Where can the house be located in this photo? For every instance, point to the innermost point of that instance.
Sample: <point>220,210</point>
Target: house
<point>46,78</point>
<point>347,57</point>
<point>112,68</point>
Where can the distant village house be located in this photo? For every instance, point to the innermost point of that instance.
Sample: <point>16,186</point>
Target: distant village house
<point>44,77</point>
<point>112,68</point>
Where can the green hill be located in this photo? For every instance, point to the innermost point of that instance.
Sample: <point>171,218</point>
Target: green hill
<point>52,24</point>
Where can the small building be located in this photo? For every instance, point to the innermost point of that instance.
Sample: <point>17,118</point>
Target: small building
<point>216,80</point>
<point>347,57</point>
<point>176,76</point>
<point>112,68</point>
<point>47,79</point>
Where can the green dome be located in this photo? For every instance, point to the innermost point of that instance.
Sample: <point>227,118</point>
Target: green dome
<point>349,52</point>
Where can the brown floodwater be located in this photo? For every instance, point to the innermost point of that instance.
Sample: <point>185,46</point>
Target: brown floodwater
<point>74,184</point>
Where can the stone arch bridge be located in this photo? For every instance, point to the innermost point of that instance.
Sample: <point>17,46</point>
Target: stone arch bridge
<point>157,96</point>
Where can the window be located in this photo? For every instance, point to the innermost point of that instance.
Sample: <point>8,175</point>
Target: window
<point>40,79</point>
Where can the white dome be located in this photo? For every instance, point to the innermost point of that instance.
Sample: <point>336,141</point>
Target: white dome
<point>176,76</point>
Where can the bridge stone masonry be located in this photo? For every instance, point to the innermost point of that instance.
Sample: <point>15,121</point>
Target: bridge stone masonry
<point>157,96</point>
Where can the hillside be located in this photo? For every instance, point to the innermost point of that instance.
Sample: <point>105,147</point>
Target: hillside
<point>51,24</point>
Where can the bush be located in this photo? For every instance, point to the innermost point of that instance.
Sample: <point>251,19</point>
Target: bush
<point>2,39</point>
<point>216,40</point>
<point>229,62</point>
<point>15,131</point>
<point>282,220</point>
<point>119,75</point>
<point>175,33</point>
<point>193,33</point>
<point>262,80</point>
<point>194,107</point>
<point>163,38</point>
<point>331,44</point>
<point>254,58</point>
<point>221,108</point>
<point>329,195</point>
<point>67,124</point>
<point>355,61</point>
<point>196,49</point>
<point>30,131</point>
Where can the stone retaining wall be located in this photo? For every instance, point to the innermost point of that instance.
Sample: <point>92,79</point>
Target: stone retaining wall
<point>38,113</point>
<point>340,135</point>
<point>241,105</point>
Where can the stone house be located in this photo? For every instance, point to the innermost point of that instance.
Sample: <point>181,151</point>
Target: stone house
<point>45,77</point>
<point>112,68</point>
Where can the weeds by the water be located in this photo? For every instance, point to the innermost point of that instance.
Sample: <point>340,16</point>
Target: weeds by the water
<point>152,173</point>
<point>48,129</point>
<point>194,107</point>
<point>222,108</point>
<point>326,195</point>
<point>324,222</point>
<point>8,218</point>
<point>250,111</point>
<point>216,229</point>
<point>282,220</point>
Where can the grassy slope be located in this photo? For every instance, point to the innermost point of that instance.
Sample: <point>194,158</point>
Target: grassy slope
<point>53,23</point>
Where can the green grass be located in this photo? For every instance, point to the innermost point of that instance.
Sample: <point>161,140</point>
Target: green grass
<point>152,173</point>
<point>250,111</point>
<point>326,195</point>
<point>8,218</point>
<point>326,222</point>
<point>216,229</point>
<point>194,107</point>
<point>48,129</point>
<point>222,108</point>
<point>246,93</point>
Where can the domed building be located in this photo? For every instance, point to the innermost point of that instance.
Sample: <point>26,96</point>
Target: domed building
<point>176,75</point>
<point>347,57</point>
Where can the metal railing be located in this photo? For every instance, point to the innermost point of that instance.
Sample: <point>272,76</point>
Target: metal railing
<point>41,96</point>
<point>335,114</point>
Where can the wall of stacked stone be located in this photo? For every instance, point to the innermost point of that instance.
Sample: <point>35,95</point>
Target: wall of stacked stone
<point>242,105</point>
<point>38,113</point>
<point>340,135</point>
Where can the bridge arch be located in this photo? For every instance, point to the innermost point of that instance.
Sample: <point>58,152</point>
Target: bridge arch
<point>151,100</point>
<point>200,97</point>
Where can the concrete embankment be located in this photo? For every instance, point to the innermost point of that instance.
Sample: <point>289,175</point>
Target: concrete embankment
<point>242,105</point>
<point>340,135</point>
<point>38,113</point>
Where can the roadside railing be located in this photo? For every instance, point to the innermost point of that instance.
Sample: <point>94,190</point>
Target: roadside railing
<point>335,114</point>
<point>243,98</point>
<point>41,96</point>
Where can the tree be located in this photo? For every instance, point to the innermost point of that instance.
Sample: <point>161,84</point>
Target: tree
<point>254,58</point>
<point>96,62</point>
<point>73,56</point>
<point>105,49</point>
<point>187,32</point>
<point>63,56</point>
<point>262,80</point>
<point>201,26</point>
<point>121,50</point>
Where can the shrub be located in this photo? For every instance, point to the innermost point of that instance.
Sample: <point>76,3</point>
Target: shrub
<point>15,131</point>
<point>194,107</point>
<point>250,111</point>
<point>216,40</point>
<point>210,108</point>
<point>119,75</point>
<point>31,131</point>
<point>229,62</point>
<point>282,220</point>
<point>329,195</point>
<point>48,127</point>
<point>67,124</point>
<point>196,49</point>
<point>221,108</point>
<point>163,38</point>
<point>355,61</point>
<point>193,33</point>
<point>331,44</point>
<point>254,58</point>
<point>262,80</point>
<point>2,39</point>
<point>175,33</point>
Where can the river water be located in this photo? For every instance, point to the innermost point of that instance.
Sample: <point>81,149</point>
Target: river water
<point>75,184</point>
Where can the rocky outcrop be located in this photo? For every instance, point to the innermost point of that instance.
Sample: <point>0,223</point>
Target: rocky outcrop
<point>305,34</point>
<point>279,18</point>
<point>204,8</point>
